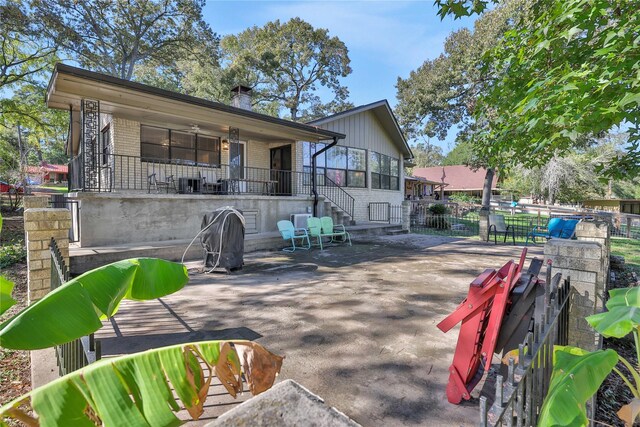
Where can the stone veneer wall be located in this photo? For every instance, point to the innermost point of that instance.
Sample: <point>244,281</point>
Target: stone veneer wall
<point>41,224</point>
<point>586,262</point>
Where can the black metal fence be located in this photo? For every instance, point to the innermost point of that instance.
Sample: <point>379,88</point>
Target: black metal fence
<point>449,219</point>
<point>77,353</point>
<point>518,397</point>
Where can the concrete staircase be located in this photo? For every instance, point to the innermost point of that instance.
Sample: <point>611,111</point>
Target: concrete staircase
<point>338,215</point>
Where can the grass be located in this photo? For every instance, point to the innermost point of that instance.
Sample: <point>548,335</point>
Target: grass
<point>52,187</point>
<point>629,249</point>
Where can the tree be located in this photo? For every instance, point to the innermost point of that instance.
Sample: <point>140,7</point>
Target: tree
<point>462,154</point>
<point>286,63</point>
<point>426,155</point>
<point>569,69</point>
<point>23,55</point>
<point>443,93</point>
<point>115,37</point>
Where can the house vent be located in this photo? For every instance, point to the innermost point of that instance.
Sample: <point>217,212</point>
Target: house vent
<point>241,97</point>
<point>300,220</point>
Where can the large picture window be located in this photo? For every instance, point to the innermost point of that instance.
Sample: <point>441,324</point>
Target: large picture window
<point>346,166</point>
<point>385,172</point>
<point>180,147</point>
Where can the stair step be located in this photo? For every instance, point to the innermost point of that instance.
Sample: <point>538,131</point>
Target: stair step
<point>396,232</point>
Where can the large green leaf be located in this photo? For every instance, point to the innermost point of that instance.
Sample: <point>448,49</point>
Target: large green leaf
<point>136,390</point>
<point>6,287</point>
<point>75,308</point>
<point>577,375</point>
<point>623,315</point>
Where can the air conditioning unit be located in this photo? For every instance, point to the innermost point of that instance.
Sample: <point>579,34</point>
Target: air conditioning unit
<point>300,220</point>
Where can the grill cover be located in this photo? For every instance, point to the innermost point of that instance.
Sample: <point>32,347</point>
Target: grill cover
<point>228,229</point>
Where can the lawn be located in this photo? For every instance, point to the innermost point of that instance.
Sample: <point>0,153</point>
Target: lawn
<point>629,249</point>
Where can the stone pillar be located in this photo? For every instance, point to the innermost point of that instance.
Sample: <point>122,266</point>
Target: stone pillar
<point>586,262</point>
<point>40,225</point>
<point>406,216</point>
<point>35,202</point>
<point>484,224</point>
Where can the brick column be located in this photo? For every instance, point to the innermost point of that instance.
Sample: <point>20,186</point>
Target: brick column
<point>406,216</point>
<point>35,202</point>
<point>40,225</point>
<point>586,262</point>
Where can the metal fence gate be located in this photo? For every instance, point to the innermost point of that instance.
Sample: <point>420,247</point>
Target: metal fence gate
<point>385,212</point>
<point>518,398</point>
<point>82,351</point>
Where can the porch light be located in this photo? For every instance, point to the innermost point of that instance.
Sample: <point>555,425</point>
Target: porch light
<point>225,145</point>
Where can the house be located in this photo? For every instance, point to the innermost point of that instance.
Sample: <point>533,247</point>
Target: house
<point>369,163</point>
<point>460,179</point>
<point>47,173</point>
<point>146,164</point>
<point>629,206</point>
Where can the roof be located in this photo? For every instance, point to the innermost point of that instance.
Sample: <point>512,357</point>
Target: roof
<point>383,112</point>
<point>69,85</point>
<point>47,167</point>
<point>459,177</point>
<point>423,180</point>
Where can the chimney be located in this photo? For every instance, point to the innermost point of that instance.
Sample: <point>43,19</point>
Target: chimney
<point>241,97</point>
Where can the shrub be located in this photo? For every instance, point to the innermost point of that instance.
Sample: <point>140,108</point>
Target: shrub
<point>438,209</point>
<point>464,198</point>
<point>12,253</point>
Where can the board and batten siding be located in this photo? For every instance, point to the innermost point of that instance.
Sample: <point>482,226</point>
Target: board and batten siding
<point>364,130</point>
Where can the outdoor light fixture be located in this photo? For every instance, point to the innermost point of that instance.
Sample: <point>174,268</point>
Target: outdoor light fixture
<point>225,145</point>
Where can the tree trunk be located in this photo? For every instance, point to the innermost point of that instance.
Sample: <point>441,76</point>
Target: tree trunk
<point>486,189</point>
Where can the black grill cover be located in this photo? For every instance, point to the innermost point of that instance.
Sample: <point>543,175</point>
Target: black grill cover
<point>229,228</point>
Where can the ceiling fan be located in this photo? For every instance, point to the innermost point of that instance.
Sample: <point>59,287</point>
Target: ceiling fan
<point>194,128</point>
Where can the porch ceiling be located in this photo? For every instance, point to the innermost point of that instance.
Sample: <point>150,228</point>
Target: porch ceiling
<point>147,104</point>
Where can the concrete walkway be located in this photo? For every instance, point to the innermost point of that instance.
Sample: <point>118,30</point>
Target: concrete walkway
<point>357,324</point>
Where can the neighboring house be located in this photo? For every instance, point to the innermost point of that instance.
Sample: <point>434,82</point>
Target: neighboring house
<point>418,188</point>
<point>47,173</point>
<point>148,163</point>
<point>369,164</point>
<point>630,206</point>
<point>460,179</point>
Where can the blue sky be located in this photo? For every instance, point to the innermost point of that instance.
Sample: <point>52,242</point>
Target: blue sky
<point>386,39</point>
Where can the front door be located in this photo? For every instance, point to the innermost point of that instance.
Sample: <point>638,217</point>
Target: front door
<point>281,169</point>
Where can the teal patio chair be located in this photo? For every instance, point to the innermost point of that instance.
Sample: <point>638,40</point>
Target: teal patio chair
<point>289,232</point>
<point>314,227</point>
<point>333,231</point>
<point>553,229</point>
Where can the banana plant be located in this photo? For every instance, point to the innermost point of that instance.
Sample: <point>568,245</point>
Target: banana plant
<point>577,374</point>
<point>77,307</point>
<point>6,302</point>
<point>136,390</point>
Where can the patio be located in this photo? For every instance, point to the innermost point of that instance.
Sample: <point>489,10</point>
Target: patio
<point>356,324</point>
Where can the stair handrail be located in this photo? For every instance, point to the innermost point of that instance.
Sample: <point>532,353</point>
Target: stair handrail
<point>342,199</point>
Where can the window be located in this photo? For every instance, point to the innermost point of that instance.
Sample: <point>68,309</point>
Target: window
<point>385,172</point>
<point>105,144</point>
<point>346,166</point>
<point>180,147</point>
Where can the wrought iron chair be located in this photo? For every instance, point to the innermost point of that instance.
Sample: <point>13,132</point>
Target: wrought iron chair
<point>315,230</point>
<point>154,182</point>
<point>289,232</point>
<point>333,231</point>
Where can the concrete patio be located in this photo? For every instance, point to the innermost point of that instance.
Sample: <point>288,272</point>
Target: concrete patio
<point>357,324</point>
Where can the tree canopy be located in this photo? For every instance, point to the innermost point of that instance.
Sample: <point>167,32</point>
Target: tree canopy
<point>567,70</point>
<point>115,36</point>
<point>286,63</point>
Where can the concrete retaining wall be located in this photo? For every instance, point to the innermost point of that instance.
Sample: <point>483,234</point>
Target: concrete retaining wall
<point>112,219</point>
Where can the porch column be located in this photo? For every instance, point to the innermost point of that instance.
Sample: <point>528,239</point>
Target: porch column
<point>406,216</point>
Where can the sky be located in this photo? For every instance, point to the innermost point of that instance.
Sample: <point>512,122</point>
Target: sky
<point>386,39</point>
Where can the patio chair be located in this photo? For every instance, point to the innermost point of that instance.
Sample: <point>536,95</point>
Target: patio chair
<point>154,181</point>
<point>209,183</point>
<point>289,232</point>
<point>314,227</point>
<point>553,229</point>
<point>333,231</point>
<point>498,226</point>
